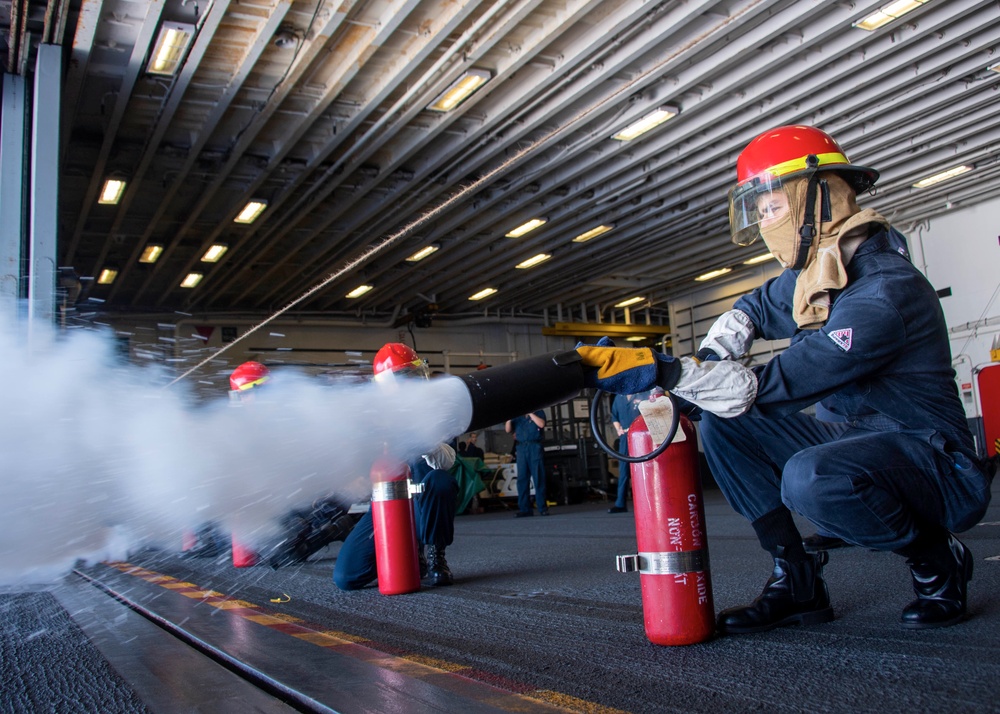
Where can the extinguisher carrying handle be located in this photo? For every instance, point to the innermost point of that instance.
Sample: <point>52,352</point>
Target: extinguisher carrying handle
<point>675,420</point>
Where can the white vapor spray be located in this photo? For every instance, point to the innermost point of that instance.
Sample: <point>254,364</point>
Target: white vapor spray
<point>99,458</point>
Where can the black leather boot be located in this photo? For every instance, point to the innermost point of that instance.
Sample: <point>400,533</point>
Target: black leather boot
<point>941,581</point>
<point>795,594</point>
<point>422,560</point>
<point>437,567</point>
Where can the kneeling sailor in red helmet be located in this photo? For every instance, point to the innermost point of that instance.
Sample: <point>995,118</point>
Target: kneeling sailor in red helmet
<point>434,508</point>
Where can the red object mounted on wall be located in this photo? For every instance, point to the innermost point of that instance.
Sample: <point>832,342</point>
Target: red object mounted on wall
<point>989,402</point>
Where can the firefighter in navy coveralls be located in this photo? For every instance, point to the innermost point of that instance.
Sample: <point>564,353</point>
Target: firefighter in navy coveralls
<point>435,508</point>
<point>888,463</point>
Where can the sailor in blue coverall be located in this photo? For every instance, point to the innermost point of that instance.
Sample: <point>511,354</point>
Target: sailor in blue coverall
<point>434,512</point>
<point>888,462</point>
<point>527,432</point>
<point>434,509</point>
<point>624,410</point>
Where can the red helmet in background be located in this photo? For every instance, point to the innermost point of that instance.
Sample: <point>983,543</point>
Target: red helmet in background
<point>396,360</point>
<point>776,156</point>
<point>248,375</point>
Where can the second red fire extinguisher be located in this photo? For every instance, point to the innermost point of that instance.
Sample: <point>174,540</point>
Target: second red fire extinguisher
<point>670,533</point>
<point>395,528</point>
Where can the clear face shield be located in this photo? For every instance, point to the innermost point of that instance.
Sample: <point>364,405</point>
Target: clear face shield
<point>414,370</point>
<point>246,392</point>
<point>759,201</point>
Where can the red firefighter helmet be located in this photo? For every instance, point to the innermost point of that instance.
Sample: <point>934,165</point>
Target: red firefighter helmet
<point>248,375</point>
<point>397,360</point>
<point>776,156</point>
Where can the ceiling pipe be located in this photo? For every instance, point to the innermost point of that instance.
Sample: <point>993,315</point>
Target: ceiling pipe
<point>437,189</point>
<point>329,176</point>
<point>457,257</point>
<point>301,64</point>
<point>289,251</point>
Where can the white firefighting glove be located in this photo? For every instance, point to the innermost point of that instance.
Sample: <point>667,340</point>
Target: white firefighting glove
<point>441,456</point>
<point>730,336</point>
<point>725,388</point>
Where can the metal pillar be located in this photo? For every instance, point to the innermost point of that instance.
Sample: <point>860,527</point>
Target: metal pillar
<point>12,179</point>
<point>44,207</point>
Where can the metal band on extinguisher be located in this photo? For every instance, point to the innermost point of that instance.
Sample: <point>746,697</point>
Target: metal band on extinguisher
<point>395,490</point>
<point>671,563</point>
<point>391,490</point>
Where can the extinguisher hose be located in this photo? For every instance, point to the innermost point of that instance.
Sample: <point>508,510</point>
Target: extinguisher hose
<point>511,390</point>
<point>598,406</point>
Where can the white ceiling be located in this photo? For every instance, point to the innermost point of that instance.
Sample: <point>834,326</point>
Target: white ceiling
<point>319,108</point>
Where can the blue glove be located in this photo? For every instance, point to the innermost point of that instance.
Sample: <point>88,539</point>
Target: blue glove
<point>626,370</point>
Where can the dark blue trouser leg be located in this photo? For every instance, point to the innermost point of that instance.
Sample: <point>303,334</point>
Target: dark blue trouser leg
<point>435,509</point>
<point>624,472</point>
<point>355,566</point>
<point>870,488</point>
<point>530,467</point>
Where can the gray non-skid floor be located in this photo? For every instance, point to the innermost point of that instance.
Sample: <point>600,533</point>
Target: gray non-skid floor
<point>538,605</point>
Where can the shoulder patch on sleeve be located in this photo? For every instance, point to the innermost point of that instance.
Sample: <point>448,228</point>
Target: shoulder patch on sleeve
<point>842,338</point>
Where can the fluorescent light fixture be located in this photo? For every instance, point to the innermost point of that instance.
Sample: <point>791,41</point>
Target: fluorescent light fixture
<point>630,301</point>
<point>533,261</point>
<point>758,259</point>
<point>171,46</point>
<point>151,253</point>
<point>635,338</point>
<point>359,291</point>
<point>112,192</point>
<point>216,251</point>
<point>888,13</point>
<point>423,253</point>
<point>460,90</point>
<point>526,227</point>
<point>713,274</point>
<point>995,67</point>
<point>191,279</point>
<point>648,122</point>
<point>107,276</point>
<point>943,176</point>
<point>251,211</point>
<point>592,233</point>
<point>485,292</point>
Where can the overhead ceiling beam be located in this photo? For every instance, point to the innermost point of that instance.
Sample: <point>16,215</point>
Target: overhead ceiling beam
<point>76,71</point>
<point>303,61</point>
<point>205,34</point>
<point>228,94</point>
<point>928,31</point>
<point>604,329</point>
<point>397,74</point>
<point>364,40</point>
<point>140,49</point>
<point>556,26</point>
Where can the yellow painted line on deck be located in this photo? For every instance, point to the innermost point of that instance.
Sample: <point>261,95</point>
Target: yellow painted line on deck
<point>413,665</point>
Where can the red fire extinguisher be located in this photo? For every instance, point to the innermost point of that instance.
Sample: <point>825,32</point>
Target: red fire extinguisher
<point>395,528</point>
<point>670,532</point>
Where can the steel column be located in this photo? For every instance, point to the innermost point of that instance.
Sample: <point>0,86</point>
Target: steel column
<point>12,175</point>
<point>44,206</point>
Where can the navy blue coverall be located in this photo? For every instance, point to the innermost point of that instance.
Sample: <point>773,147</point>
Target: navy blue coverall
<point>434,510</point>
<point>624,410</point>
<point>890,448</point>
<point>530,463</point>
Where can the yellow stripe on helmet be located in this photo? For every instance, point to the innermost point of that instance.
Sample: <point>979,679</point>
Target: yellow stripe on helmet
<point>255,383</point>
<point>799,164</point>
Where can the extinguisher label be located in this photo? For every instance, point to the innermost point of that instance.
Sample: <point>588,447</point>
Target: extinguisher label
<point>391,490</point>
<point>658,415</point>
